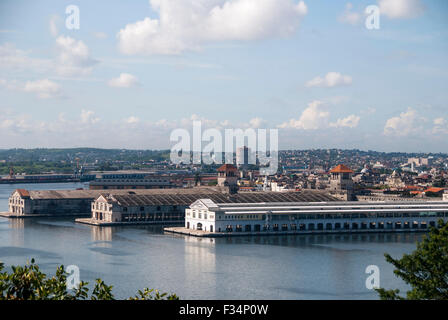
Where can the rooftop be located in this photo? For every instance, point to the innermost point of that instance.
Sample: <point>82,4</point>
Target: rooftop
<point>341,169</point>
<point>132,200</point>
<point>227,167</point>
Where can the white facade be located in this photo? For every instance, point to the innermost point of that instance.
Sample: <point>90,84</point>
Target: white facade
<point>297,217</point>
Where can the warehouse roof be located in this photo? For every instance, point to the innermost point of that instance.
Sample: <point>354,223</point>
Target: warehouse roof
<point>132,200</point>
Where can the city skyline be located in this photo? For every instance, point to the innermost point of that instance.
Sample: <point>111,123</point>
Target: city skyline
<point>128,77</point>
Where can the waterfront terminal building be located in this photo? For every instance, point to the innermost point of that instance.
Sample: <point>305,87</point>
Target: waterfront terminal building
<point>170,206</point>
<point>205,217</point>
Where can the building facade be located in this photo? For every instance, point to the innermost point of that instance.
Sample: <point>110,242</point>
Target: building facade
<point>170,207</point>
<point>301,217</point>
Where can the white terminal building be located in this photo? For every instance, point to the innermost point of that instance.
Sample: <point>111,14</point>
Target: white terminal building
<point>304,217</point>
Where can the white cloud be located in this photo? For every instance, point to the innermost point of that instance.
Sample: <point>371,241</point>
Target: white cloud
<point>403,125</point>
<point>132,120</point>
<point>88,117</point>
<point>256,123</point>
<point>16,59</point>
<point>73,57</point>
<point>54,21</point>
<point>350,16</point>
<point>313,117</point>
<point>401,9</point>
<point>125,80</point>
<point>440,126</point>
<point>351,121</point>
<point>188,25</point>
<point>331,79</point>
<point>44,88</point>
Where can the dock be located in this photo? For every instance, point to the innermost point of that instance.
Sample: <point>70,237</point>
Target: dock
<point>207,234</point>
<point>41,215</point>
<point>102,223</point>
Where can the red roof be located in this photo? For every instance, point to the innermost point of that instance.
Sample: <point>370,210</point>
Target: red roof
<point>435,190</point>
<point>413,188</point>
<point>227,167</point>
<point>23,193</point>
<point>341,169</point>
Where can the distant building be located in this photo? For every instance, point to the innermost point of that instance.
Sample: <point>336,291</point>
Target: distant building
<point>395,181</point>
<point>170,205</point>
<point>145,183</point>
<point>209,217</point>
<point>419,162</point>
<point>341,182</point>
<point>228,177</point>
<point>242,157</point>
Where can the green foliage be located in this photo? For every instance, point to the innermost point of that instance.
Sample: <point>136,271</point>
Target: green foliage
<point>425,270</point>
<point>30,283</point>
<point>151,294</point>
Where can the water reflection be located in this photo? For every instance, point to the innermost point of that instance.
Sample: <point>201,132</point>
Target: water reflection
<point>101,233</point>
<point>319,239</point>
<point>200,263</point>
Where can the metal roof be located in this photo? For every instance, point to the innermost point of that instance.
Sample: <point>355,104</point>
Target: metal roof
<point>248,197</point>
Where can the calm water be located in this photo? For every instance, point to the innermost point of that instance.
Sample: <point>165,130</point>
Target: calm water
<point>130,258</point>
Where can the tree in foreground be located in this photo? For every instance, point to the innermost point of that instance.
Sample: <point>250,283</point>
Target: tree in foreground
<point>425,270</point>
<point>30,283</point>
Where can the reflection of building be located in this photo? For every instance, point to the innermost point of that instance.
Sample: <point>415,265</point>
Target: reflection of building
<point>101,234</point>
<point>301,217</point>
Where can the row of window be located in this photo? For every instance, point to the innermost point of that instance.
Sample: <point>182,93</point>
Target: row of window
<point>328,226</point>
<point>325,216</point>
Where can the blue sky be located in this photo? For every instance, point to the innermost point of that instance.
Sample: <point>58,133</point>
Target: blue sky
<point>136,70</point>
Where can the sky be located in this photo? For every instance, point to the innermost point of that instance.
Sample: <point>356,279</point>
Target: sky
<point>134,71</point>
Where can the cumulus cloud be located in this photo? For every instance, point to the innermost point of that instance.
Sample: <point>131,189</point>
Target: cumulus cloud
<point>440,126</point>
<point>256,123</point>
<point>88,117</point>
<point>132,120</point>
<point>54,21</point>
<point>349,16</point>
<point>351,121</point>
<point>401,9</point>
<point>17,60</point>
<point>73,57</point>
<point>43,88</point>
<point>125,80</point>
<point>313,117</point>
<point>407,123</point>
<point>188,25</point>
<point>331,79</point>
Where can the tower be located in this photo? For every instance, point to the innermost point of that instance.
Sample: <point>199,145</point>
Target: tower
<point>341,181</point>
<point>242,157</point>
<point>228,177</point>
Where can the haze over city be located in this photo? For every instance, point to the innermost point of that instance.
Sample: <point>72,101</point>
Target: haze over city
<point>133,72</point>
